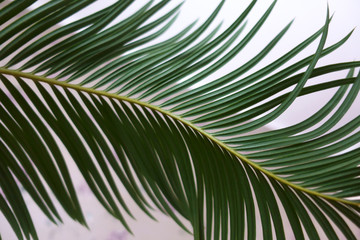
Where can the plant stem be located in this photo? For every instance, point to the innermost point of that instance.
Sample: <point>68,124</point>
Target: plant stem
<point>50,81</point>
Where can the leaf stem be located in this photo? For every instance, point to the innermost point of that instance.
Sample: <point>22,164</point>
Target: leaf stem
<point>34,77</point>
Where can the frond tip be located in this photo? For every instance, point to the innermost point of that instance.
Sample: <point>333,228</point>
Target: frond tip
<point>125,106</point>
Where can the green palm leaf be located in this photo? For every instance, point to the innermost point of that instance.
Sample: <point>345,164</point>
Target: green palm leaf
<point>124,106</point>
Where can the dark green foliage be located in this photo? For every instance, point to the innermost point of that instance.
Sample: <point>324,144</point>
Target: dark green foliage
<point>114,100</point>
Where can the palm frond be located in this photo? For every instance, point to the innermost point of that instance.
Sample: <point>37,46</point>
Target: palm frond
<point>125,106</point>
